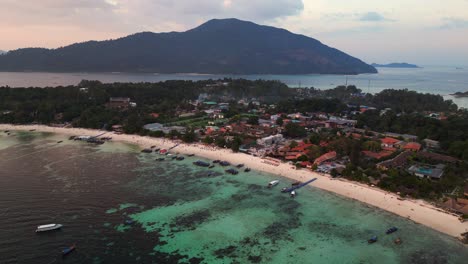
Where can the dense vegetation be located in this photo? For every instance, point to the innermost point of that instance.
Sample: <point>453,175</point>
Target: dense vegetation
<point>218,46</point>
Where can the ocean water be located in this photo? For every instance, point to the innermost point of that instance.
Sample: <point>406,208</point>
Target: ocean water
<point>430,79</point>
<point>183,213</point>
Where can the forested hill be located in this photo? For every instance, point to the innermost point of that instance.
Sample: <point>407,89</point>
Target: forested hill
<point>225,46</point>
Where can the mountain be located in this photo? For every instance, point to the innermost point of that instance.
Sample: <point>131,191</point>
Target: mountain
<point>219,46</point>
<point>396,65</point>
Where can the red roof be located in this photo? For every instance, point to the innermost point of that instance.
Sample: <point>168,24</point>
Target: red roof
<point>302,147</point>
<point>377,155</point>
<point>389,141</point>
<point>413,146</point>
<point>325,157</point>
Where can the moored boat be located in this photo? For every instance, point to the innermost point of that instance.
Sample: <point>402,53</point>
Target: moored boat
<point>224,163</point>
<point>147,151</point>
<point>293,194</point>
<point>180,158</point>
<point>247,170</point>
<point>129,222</point>
<point>216,161</point>
<point>68,250</point>
<point>372,240</point>
<point>201,163</point>
<point>272,183</point>
<point>391,230</point>
<point>49,227</point>
<point>295,183</point>
<point>240,165</point>
<point>232,171</point>
<point>211,166</point>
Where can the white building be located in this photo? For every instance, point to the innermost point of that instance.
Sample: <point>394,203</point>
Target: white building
<point>271,140</point>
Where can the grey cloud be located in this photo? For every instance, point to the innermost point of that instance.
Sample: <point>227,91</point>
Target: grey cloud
<point>454,23</point>
<point>373,17</point>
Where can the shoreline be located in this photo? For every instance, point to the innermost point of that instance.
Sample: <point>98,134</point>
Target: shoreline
<point>417,211</point>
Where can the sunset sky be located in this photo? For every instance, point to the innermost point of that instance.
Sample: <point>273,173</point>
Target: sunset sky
<point>427,32</point>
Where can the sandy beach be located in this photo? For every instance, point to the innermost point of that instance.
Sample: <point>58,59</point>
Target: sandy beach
<point>417,210</point>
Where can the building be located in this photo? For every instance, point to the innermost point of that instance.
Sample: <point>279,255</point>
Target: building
<point>119,102</point>
<point>389,142</point>
<point>154,127</point>
<point>428,171</point>
<point>432,144</point>
<point>325,157</point>
<point>270,140</point>
<point>412,146</point>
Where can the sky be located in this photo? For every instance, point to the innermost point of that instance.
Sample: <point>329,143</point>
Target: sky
<point>425,32</point>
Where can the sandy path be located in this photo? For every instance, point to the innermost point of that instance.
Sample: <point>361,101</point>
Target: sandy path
<point>417,210</point>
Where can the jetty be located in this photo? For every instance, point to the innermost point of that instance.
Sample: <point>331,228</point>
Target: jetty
<point>290,189</point>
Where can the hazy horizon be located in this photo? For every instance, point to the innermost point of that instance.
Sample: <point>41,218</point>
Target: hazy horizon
<point>427,32</point>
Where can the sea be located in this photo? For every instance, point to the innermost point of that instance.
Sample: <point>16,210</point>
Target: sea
<point>443,80</point>
<point>183,213</point>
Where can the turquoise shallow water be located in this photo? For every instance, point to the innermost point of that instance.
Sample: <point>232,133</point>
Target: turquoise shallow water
<point>184,214</point>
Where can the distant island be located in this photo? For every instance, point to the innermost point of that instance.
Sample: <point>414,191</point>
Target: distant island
<point>396,65</point>
<point>219,46</point>
<point>460,94</point>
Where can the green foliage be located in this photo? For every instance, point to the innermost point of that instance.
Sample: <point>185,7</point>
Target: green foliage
<point>279,121</point>
<point>372,146</point>
<point>293,144</point>
<point>253,120</point>
<point>235,144</point>
<point>294,130</point>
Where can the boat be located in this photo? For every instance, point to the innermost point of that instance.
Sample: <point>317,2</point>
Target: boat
<point>211,166</point>
<point>224,163</point>
<point>292,188</point>
<point>295,183</point>
<point>247,170</point>
<point>397,241</point>
<point>232,171</point>
<point>71,138</point>
<point>157,149</point>
<point>216,161</point>
<point>273,183</point>
<point>240,165</point>
<point>372,240</point>
<point>129,222</point>
<point>191,155</point>
<point>60,141</point>
<point>147,151</point>
<point>163,151</point>
<point>160,159</point>
<point>391,230</point>
<point>201,163</point>
<point>49,227</point>
<point>180,158</point>
<point>68,250</point>
<point>293,194</point>
<point>152,147</point>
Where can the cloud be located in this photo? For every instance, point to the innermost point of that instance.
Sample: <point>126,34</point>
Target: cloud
<point>373,17</point>
<point>454,23</point>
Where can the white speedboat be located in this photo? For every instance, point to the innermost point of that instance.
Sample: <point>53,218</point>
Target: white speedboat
<point>49,227</point>
<point>293,194</point>
<point>272,183</point>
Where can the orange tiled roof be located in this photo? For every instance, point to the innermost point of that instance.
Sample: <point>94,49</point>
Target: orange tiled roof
<point>389,140</point>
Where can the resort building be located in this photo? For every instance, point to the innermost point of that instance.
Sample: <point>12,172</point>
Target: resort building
<point>389,142</point>
<point>271,140</point>
<point>427,171</point>
<point>432,144</point>
<point>166,130</point>
<point>119,102</point>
